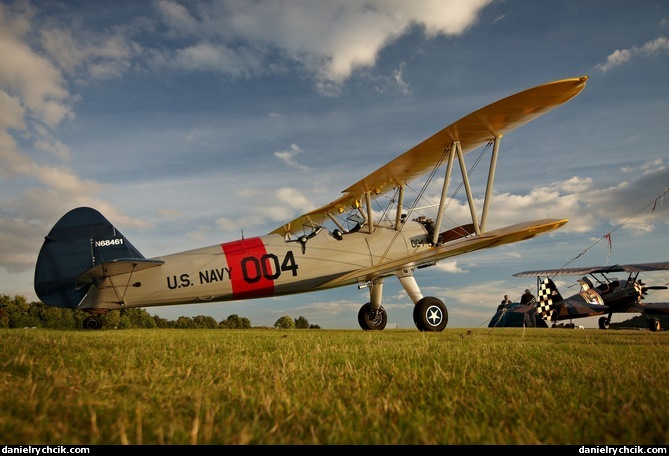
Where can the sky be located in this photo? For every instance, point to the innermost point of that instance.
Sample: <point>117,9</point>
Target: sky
<point>187,123</point>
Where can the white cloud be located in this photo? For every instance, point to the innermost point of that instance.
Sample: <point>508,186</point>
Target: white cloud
<point>295,199</point>
<point>11,112</point>
<point>399,79</point>
<point>329,38</point>
<point>100,54</point>
<point>35,99</point>
<point>206,56</point>
<point>621,56</point>
<point>288,157</point>
<point>449,266</point>
<point>32,78</point>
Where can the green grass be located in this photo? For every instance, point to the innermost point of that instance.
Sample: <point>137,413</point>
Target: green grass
<point>478,386</point>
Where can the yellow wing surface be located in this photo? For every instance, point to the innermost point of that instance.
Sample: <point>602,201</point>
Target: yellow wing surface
<point>472,131</point>
<point>494,238</point>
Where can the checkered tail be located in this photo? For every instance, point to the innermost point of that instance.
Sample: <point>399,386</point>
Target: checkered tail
<point>545,297</point>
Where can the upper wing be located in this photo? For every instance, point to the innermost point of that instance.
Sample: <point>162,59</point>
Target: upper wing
<point>637,267</point>
<point>472,131</point>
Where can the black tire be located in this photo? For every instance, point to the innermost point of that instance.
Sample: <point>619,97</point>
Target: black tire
<point>604,323</point>
<point>416,318</point>
<point>430,314</point>
<point>372,320</point>
<point>654,324</point>
<point>92,322</point>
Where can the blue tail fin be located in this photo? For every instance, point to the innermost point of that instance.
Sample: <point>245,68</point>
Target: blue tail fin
<point>81,239</point>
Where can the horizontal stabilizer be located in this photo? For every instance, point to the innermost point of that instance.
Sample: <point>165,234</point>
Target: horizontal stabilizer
<point>114,268</point>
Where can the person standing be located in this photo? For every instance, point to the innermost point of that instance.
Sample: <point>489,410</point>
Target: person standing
<point>505,303</point>
<point>527,298</point>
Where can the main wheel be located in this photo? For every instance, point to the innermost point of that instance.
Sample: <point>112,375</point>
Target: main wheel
<point>92,322</point>
<point>417,320</point>
<point>654,324</point>
<point>372,319</point>
<point>430,314</point>
<point>604,323</point>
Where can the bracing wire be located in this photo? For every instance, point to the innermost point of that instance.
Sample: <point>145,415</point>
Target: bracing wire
<point>607,236</point>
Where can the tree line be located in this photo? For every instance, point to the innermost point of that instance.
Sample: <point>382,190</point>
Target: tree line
<point>17,312</point>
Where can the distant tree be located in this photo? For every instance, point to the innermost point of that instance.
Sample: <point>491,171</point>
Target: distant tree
<point>136,318</point>
<point>163,322</point>
<point>184,323</point>
<point>204,322</point>
<point>55,317</point>
<point>234,321</point>
<point>6,308</point>
<point>126,320</point>
<point>4,311</point>
<point>314,327</point>
<point>18,312</point>
<point>301,323</point>
<point>111,320</point>
<point>285,322</point>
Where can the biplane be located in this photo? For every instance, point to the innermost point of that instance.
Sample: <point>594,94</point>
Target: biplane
<point>600,294</point>
<point>374,230</point>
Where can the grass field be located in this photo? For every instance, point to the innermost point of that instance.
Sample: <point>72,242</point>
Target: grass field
<point>477,386</point>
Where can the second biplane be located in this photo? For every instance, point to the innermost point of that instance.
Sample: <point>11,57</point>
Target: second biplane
<point>601,293</point>
<point>85,263</point>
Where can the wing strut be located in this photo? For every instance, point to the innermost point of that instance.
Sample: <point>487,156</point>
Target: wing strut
<point>119,297</point>
<point>468,188</point>
<point>456,148</point>
<point>442,200</point>
<point>400,204</point>
<point>491,178</point>
<point>370,219</point>
<point>336,222</point>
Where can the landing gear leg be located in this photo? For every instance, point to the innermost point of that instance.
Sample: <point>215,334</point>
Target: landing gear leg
<point>372,316</point>
<point>429,313</point>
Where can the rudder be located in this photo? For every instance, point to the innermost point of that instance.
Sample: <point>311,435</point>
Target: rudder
<point>81,239</point>
<point>548,295</point>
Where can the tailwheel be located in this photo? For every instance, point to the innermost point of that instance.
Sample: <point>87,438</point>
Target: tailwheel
<point>430,314</point>
<point>654,324</point>
<point>92,322</point>
<point>372,319</point>
<point>604,323</point>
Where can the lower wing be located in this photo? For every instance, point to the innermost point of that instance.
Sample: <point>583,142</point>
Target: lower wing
<point>650,308</point>
<point>493,238</point>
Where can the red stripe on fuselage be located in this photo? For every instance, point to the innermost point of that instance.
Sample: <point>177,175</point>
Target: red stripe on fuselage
<point>245,261</point>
